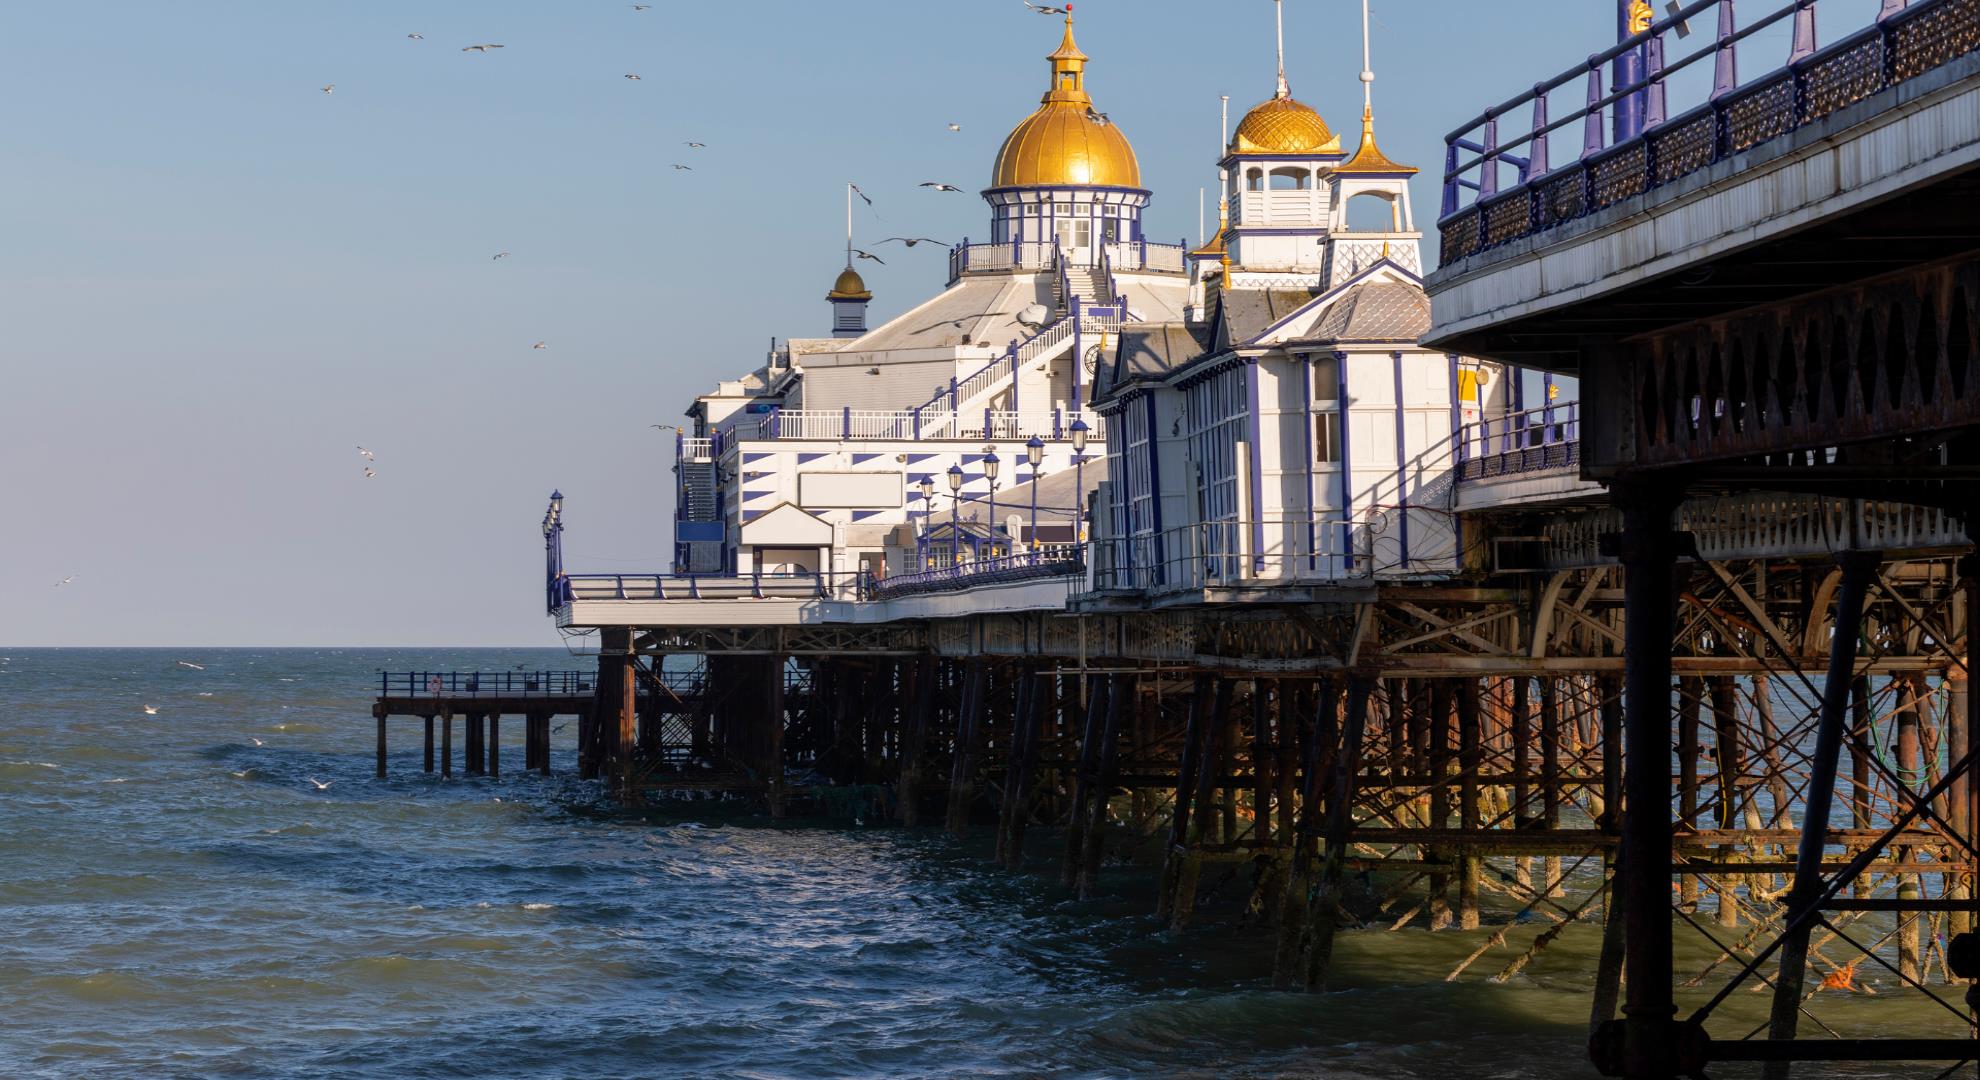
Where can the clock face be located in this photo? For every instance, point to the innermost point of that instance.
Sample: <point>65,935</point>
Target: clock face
<point>1092,360</point>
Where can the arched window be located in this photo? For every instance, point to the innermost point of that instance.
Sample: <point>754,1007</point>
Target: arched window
<point>1290,179</point>
<point>1254,180</point>
<point>1373,211</point>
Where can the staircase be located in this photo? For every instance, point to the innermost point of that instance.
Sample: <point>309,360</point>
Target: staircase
<point>699,505</point>
<point>1088,283</point>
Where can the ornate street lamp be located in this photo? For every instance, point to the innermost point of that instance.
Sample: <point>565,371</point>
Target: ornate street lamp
<point>1034,452</point>
<point>955,515</point>
<point>990,467</point>
<point>1079,430</point>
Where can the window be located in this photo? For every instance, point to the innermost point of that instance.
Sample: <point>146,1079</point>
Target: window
<point>1327,436</point>
<point>1290,179</point>
<point>1254,180</point>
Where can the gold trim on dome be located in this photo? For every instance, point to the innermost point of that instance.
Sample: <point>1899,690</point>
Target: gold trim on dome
<point>850,286</point>
<point>1065,143</point>
<point>1369,158</point>
<point>1212,249</point>
<point>1284,125</point>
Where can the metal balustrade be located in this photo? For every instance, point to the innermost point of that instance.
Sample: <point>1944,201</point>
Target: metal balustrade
<point>1656,148</point>
<point>1769,525</point>
<point>1123,255</point>
<point>1233,554</point>
<point>824,585</point>
<point>851,425</point>
<point>1050,561</point>
<point>484,683</point>
<point>1545,439</point>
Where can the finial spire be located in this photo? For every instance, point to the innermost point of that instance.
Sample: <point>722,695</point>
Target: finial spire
<point>849,224</point>
<point>1367,69</point>
<point>1279,14</point>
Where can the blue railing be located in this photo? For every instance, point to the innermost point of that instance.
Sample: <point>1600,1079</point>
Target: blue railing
<point>1631,145</point>
<point>1536,440</point>
<point>484,683</point>
<point>1057,561</point>
<point>825,585</point>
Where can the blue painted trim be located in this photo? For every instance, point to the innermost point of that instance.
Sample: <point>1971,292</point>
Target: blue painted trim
<point>1347,462</point>
<point>747,458</point>
<point>1402,463</point>
<point>1306,434</point>
<point>1154,490</point>
<point>806,459</point>
<point>1457,426</point>
<point>1257,466</point>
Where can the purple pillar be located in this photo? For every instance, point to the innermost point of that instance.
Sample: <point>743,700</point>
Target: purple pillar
<point>1591,127</point>
<point>1725,66</point>
<point>1488,172</point>
<point>1536,163</point>
<point>1450,179</point>
<point>1654,112</point>
<point>1804,31</point>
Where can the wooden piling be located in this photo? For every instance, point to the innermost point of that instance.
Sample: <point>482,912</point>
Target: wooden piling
<point>1086,765</point>
<point>1470,760</point>
<point>1121,699</point>
<point>378,711</point>
<point>962,775</point>
<point>495,745</point>
<point>429,742</point>
<point>1173,855</point>
<point>446,745</point>
<point>1323,914</point>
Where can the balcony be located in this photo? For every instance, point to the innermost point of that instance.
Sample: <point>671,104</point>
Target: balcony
<point>1547,439</point>
<point>1234,556</point>
<point>916,425</point>
<point>1050,561</point>
<point>1136,256</point>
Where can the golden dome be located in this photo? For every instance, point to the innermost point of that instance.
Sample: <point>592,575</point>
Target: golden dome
<point>1284,126</point>
<point>849,287</point>
<point>1066,142</point>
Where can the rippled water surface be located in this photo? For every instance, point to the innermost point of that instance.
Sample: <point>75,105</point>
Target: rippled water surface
<point>179,900</point>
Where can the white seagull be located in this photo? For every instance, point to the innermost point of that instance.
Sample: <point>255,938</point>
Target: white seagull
<point>65,581</point>
<point>321,785</point>
<point>641,7</point>
<point>696,145</point>
<point>541,345</point>
<point>631,76</point>
<point>370,473</point>
<point>1047,9</point>
<point>366,454</point>
<point>480,48</point>
<point>190,664</point>
<point>151,710</point>
<point>500,255</point>
<point>416,37</point>
<point>330,88</point>
<point>256,741</point>
<point>683,168</point>
<point>938,186</point>
<point>955,127</point>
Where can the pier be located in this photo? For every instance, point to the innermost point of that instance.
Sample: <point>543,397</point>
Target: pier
<point>1622,569</point>
<point>481,700</point>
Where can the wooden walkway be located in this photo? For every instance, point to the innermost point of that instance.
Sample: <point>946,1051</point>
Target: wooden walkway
<point>481,699</point>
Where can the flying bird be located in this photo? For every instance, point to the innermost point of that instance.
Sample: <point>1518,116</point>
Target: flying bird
<point>541,345</point>
<point>366,454</point>
<point>151,710</point>
<point>683,168</point>
<point>1097,116</point>
<point>913,240</point>
<point>65,581</point>
<point>370,473</point>
<point>500,255</point>
<point>416,37</point>
<point>955,127</point>
<point>865,255</point>
<point>321,785</point>
<point>330,88</point>
<point>641,7</point>
<point>938,186</point>
<point>697,146</point>
<point>631,76</point>
<point>1047,9</point>
<point>480,48</point>
<point>190,664</point>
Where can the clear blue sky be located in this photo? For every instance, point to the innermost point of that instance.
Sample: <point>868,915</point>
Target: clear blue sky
<point>216,280</point>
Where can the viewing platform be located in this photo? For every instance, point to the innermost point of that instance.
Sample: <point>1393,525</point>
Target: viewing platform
<point>1136,256</point>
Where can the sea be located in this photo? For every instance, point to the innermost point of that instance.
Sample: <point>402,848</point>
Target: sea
<point>181,897</point>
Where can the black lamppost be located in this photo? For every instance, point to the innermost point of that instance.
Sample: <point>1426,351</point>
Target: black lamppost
<point>1079,430</point>
<point>955,515</point>
<point>1034,452</point>
<point>990,467</point>
<point>927,514</point>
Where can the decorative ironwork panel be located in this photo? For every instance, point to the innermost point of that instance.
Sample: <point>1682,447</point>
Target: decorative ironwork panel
<point>1508,219</point>
<point>1460,236</point>
<point>1686,146</point>
<point>1622,175</point>
<point>1843,79</point>
<point>1895,355</point>
<point>1760,114</point>
<point>1933,37</point>
<point>1562,198</point>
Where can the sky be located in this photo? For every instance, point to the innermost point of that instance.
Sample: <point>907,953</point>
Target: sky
<point>217,280</point>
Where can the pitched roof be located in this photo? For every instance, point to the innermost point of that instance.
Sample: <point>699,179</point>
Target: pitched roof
<point>1375,311</point>
<point>1150,351</point>
<point>1243,314</point>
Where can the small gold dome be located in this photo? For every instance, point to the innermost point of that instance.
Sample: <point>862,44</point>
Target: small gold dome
<point>1066,142</point>
<point>849,287</point>
<point>1284,125</point>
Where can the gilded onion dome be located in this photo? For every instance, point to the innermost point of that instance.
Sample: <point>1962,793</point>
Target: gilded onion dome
<point>850,286</point>
<point>1284,125</point>
<point>1066,142</point>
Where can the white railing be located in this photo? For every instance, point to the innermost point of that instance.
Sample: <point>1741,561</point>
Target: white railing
<point>697,449</point>
<point>910,425</point>
<point>1121,254</point>
<point>1234,554</point>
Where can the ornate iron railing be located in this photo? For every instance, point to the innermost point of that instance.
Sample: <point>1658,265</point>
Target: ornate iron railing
<point>1545,439</point>
<point>1059,560</point>
<point>852,425</point>
<point>1630,143</point>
